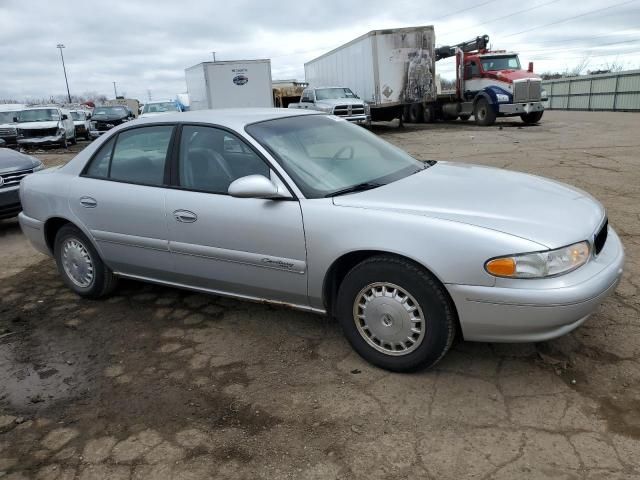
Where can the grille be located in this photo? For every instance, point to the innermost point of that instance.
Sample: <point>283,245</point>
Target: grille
<point>527,91</point>
<point>38,132</point>
<point>13,178</point>
<point>601,237</point>
<point>343,110</point>
<point>7,132</point>
<point>102,126</point>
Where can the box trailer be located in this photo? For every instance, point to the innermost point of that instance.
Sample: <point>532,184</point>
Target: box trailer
<point>386,68</point>
<point>230,84</point>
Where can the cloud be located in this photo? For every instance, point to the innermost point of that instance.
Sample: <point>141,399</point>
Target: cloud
<point>145,46</point>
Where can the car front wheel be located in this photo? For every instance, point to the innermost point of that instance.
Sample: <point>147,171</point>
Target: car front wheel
<point>395,314</point>
<point>80,266</point>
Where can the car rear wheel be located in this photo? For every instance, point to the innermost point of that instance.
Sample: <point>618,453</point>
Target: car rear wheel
<point>395,314</point>
<point>80,266</point>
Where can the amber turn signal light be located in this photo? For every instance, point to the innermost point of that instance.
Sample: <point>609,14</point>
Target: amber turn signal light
<point>501,267</point>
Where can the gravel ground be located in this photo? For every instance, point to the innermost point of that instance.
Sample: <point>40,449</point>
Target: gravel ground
<point>160,383</point>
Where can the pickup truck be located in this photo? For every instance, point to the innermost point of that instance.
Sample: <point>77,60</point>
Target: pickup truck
<point>339,101</point>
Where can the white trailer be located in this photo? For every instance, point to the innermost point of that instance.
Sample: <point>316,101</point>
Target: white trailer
<point>230,84</point>
<point>388,69</point>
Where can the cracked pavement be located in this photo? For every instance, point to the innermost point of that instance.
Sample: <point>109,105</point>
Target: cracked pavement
<point>158,383</point>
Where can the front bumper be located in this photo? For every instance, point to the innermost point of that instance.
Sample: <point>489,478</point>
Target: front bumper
<point>10,140</point>
<point>538,310</point>
<point>9,202</point>
<point>97,133</point>
<point>357,118</point>
<point>37,141</point>
<point>520,108</point>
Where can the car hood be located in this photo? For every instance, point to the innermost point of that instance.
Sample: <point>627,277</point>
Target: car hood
<point>107,118</point>
<point>341,101</point>
<point>10,161</point>
<point>544,211</point>
<point>154,114</point>
<point>36,125</point>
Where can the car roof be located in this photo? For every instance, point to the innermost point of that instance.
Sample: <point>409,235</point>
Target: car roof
<point>235,118</point>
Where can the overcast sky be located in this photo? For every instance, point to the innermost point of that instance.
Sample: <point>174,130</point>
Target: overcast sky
<point>145,46</point>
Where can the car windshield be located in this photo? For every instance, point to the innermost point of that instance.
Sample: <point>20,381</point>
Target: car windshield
<point>7,117</point>
<point>500,63</point>
<point>104,111</point>
<point>77,115</point>
<point>334,93</point>
<point>39,115</point>
<point>160,107</point>
<point>325,155</point>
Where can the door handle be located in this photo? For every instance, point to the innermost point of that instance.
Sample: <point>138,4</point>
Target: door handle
<point>88,202</point>
<point>185,216</point>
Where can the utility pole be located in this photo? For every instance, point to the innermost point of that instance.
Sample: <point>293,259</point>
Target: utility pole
<point>115,92</point>
<point>60,46</point>
<point>214,56</point>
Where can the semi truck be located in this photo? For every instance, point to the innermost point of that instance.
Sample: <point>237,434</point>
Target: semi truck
<point>230,84</point>
<point>394,71</point>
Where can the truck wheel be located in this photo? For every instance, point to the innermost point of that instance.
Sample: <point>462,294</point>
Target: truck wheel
<point>429,114</point>
<point>416,113</point>
<point>533,117</point>
<point>395,314</point>
<point>464,118</point>
<point>484,113</point>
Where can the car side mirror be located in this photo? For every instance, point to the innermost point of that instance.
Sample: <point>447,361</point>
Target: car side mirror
<point>64,117</point>
<point>255,186</point>
<point>15,119</point>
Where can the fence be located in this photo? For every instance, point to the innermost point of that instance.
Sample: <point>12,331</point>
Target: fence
<point>609,91</point>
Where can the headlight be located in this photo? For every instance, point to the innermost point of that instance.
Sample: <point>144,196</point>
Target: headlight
<point>93,125</point>
<point>540,264</point>
<point>38,166</point>
<point>61,132</point>
<point>501,97</point>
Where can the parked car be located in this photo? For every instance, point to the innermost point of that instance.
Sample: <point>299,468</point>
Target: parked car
<point>309,210</point>
<point>81,123</point>
<point>104,119</point>
<point>40,126</point>
<point>340,101</point>
<point>8,131</point>
<point>151,109</point>
<point>14,166</point>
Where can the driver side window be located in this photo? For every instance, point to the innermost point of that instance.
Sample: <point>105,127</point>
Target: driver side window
<point>211,159</point>
<point>475,71</point>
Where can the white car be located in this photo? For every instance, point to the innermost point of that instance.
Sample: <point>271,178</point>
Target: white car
<point>81,123</point>
<point>151,109</point>
<point>39,126</point>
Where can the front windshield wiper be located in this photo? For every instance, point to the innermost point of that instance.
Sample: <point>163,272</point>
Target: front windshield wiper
<point>360,187</point>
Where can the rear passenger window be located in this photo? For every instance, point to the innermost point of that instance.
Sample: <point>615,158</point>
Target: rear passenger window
<point>140,154</point>
<point>99,167</point>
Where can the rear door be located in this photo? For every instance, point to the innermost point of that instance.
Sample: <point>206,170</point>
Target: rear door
<point>243,246</point>
<point>120,199</point>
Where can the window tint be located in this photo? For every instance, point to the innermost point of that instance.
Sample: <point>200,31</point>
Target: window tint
<point>139,155</point>
<point>99,166</point>
<point>210,159</point>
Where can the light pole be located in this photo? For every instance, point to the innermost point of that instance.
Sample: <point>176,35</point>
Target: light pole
<point>60,46</point>
<point>115,92</point>
<point>214,56</point>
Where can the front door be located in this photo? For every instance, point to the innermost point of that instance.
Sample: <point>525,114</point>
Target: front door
<point>120,199</point>
<point>243,246</point>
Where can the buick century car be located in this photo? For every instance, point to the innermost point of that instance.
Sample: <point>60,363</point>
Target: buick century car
<point>309,210</point>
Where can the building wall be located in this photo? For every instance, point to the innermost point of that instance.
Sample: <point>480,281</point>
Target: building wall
<point>610,91</point>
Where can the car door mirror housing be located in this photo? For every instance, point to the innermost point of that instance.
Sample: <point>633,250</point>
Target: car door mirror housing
<point>255,186</point>
<point>64,117</point>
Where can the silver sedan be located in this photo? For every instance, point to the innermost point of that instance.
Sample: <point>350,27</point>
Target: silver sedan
<point>308,210</point>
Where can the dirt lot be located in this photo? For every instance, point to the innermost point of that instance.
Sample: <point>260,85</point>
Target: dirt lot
<point>160,383</point>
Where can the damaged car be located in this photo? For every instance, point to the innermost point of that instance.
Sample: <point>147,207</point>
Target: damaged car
<point>105,118</point>
<point>81,123</point>
<point>44,126</point>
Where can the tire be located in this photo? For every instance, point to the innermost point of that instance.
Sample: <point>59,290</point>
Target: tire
<point>87,137</point>
<point>387,341</point>
<point>530,118</point>
<point>484,113</point>
<point>71,248</point>
<point>74,140</point>
<point>464,118</point>
<point>416,113</point>
<point>429,114</point>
